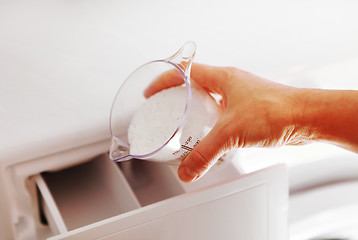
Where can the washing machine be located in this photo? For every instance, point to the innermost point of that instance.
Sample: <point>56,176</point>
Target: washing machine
<point>61,64</point>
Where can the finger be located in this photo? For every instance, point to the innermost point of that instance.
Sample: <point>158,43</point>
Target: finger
<point>213,79</point>
<point>210,78</point>
<point>204,155</point>
<point>168,79</point>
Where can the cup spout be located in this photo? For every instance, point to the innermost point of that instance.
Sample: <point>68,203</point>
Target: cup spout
<point>118,153</point>
<point>183,58</point>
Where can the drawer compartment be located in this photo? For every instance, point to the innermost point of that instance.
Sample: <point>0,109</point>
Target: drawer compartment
<point>252,206</point>
<point>137,199</point>
<point>151,182</point>
<point>84,194</point>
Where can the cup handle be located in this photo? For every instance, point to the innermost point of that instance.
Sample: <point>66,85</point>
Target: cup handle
<point>183,58</point>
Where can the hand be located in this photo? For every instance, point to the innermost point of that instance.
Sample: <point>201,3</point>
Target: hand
<point>256,112</point>
<point>261,113</point>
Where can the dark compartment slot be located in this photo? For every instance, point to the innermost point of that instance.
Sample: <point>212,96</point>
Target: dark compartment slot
<point>150,181</point>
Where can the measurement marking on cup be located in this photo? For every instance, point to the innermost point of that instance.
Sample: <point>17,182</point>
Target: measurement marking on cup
<point>186,148</point>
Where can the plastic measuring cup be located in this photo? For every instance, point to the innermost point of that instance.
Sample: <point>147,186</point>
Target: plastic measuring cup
<point>190,115</point>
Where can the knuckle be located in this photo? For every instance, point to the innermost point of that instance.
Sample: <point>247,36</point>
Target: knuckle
<point>199,161</point>
<point>235,70</point>
<point>228,134</point>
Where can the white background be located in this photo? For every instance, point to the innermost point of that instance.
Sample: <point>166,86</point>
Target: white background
<point>61,62</point>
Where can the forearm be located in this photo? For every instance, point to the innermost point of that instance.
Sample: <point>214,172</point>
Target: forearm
<point>329,115</point>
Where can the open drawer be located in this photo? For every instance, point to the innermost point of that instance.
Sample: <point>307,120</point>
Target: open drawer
<point>142,200</point>
<point>87,193</point>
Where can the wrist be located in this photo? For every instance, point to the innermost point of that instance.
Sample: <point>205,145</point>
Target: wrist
<point>321,113</point>
<point>303,110</point>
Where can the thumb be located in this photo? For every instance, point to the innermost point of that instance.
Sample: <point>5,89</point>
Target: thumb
<point>204,155</point>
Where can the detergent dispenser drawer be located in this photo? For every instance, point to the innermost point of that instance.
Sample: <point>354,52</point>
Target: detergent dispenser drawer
<point>100,199</point>
<point>84,194</point>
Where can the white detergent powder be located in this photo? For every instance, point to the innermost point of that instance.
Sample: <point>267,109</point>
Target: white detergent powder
<point>155,122</point>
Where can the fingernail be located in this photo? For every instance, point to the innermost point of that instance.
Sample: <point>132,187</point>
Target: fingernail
<point>187,175</point>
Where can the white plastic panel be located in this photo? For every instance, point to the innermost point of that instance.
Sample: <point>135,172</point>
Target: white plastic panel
<point>327,212</point>
<point>252,206</point>
<point>242,215</point>
<point>322,199</point>
<point>49,207</point>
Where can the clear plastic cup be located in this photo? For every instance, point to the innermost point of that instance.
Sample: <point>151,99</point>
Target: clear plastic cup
<point>166,126</point>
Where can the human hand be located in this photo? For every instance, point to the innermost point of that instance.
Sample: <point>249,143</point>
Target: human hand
<point>256,113</point>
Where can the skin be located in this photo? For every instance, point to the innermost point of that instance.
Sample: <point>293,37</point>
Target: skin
<point>259,113</point>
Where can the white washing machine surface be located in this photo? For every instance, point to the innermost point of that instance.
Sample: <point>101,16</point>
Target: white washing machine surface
<point>323,180</point>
